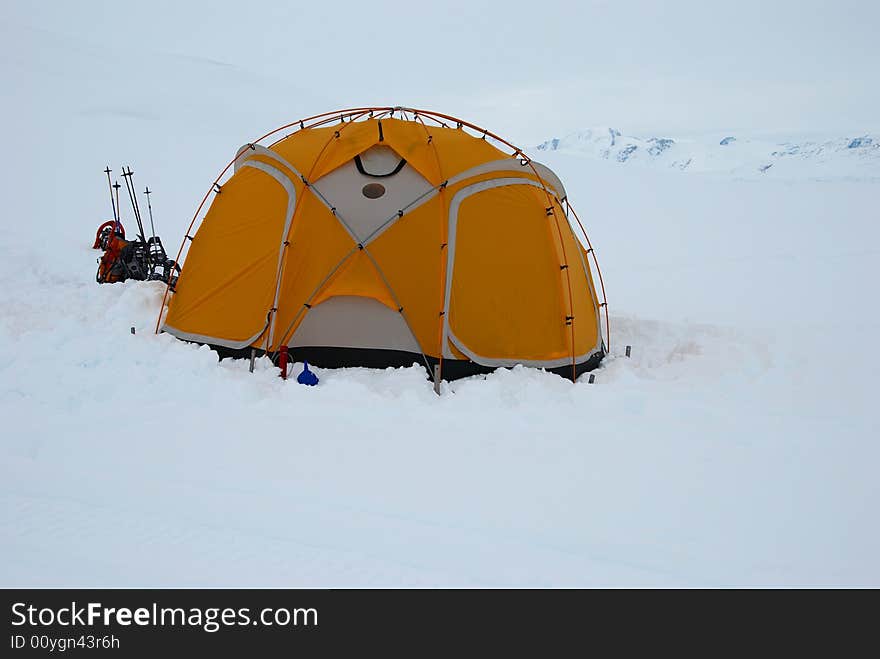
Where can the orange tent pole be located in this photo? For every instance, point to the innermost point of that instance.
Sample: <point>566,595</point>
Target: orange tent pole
<point>353,114</point>
<point>592,252</point>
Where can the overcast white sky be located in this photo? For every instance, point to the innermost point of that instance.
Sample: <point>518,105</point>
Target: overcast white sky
<point>528,69</point>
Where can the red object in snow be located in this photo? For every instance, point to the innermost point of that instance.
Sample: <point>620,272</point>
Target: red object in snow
<point>282,361</point>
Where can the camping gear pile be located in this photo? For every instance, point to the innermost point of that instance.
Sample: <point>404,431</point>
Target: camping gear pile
<point>385,236</point>
<point>142,259</point>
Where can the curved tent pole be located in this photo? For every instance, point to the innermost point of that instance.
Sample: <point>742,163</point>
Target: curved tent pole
<point>216,183</point>
<point>288,333</point>
<point>592,252</point>
<point>356,113</point>
<point>517,152</point>
<point>443,274</point>
<point>307,183</point>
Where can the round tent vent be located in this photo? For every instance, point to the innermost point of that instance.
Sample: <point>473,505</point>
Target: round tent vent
<point>373,190</point>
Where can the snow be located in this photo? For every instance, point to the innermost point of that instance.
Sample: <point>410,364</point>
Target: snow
<point>736,447</point>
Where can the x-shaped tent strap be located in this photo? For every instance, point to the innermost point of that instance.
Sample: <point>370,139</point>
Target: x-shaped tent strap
<point>362,246</point>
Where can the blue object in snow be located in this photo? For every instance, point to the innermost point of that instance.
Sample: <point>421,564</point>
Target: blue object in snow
<point>307,377</point>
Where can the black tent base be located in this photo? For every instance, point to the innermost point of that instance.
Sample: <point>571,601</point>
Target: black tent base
<point>453,369</point>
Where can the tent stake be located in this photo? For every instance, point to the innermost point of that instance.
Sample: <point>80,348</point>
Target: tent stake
<point>253,358</point>
<point>437,379</point>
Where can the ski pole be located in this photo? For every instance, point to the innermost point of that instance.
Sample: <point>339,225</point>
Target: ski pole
<point>137,207</point>
<point>150,208</point>
<point>116,186</point>
<point>112,205</point>
<point>133,200</point>
<point>128,190</point>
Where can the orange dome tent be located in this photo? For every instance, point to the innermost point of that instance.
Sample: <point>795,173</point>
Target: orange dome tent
<point>387,236</point>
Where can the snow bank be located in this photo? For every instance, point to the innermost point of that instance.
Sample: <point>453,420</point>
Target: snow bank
<point>713,456</point>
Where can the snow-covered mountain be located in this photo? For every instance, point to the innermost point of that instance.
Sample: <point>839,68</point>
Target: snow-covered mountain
<point>855,156</point>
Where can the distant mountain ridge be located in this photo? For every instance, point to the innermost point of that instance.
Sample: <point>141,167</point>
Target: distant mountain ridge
<point>855,156</point>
